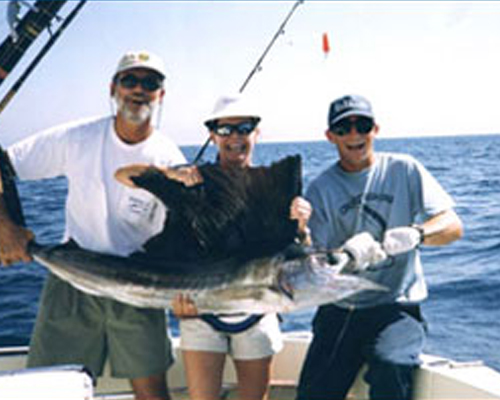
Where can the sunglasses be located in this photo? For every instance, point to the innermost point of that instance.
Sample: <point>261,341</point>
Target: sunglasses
<point>242,128</point>
<point>149,83</point>
<point>363,126</point>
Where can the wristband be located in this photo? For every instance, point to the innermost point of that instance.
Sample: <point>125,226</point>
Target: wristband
<point>420,230</point>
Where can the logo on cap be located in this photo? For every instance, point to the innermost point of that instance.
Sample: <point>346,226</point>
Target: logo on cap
<point>350,103</point>
<point>141,59</point>
<point>347,106</point>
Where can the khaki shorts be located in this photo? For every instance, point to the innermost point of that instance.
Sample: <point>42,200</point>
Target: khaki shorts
<point>76,328</point>
<point>260,341</point>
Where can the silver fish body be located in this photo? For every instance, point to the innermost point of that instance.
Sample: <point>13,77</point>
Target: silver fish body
<point>280,283</point>
<point>228,243</point>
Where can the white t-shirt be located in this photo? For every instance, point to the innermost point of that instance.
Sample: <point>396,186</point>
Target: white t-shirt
<point>101,214</point>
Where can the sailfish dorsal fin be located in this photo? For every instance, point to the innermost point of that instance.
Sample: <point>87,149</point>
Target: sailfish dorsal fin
<point>233,213</point>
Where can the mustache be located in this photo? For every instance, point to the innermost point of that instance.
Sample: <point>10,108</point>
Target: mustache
<point>138,98</point>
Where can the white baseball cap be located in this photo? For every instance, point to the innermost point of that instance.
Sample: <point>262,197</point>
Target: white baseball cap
<point>234,105</point>
<point>141,59</point>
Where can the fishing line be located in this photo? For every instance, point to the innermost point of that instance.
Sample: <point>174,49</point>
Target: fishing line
<point>342,333</point>
<point>256,68</point>
<point>338,342</point>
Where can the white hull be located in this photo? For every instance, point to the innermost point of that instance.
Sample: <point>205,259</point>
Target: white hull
<point>438,379</point>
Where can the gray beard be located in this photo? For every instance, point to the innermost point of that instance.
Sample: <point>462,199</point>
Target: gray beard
<point>135,117</point>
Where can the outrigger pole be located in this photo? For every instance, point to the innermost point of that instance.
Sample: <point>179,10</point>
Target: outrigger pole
<point>256,68</point>
<point>45,18</point>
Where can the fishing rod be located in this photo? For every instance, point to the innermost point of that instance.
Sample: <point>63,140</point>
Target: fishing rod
<point>16,86</point>
<point>280,31</point>
<point>24,31</point>
<point>256,68</point>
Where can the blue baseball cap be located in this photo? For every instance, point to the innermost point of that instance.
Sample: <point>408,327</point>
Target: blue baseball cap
<point>347,106</point>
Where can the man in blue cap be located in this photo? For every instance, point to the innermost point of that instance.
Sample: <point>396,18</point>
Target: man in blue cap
<point>379,207</point>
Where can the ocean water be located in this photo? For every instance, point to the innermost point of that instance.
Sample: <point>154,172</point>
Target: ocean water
<point>462,311</point>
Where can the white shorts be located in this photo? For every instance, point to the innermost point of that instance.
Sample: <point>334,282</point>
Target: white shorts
<point>260,341</point>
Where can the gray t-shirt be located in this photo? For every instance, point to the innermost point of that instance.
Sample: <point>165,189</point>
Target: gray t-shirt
<point>395,191</point>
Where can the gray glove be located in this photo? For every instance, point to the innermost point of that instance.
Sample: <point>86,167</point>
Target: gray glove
<point>402,239</point>
<point>364,250</point>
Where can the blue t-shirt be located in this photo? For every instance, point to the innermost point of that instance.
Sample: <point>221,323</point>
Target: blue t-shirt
<point>395,191</point>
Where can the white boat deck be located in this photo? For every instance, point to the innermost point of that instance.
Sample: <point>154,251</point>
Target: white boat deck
<point>437,379</point>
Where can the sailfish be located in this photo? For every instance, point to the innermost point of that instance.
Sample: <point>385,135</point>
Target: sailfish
<point>228,243</point>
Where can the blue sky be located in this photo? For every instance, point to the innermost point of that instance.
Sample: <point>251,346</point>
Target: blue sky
<point>429,67</point>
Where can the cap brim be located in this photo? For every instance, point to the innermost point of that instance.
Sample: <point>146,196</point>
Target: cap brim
<point>215,117</point>
<point>130,68</point>
<point>352,113</point>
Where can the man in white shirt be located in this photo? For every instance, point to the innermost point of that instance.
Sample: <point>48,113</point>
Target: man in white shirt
<point>101,215</point>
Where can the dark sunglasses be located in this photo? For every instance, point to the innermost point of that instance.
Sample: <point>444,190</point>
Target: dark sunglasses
<point>242,128</point>
<point>363,126</point>
<point>149,83</point>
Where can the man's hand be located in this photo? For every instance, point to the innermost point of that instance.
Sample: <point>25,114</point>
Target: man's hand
<point>301,210</point>
<point>401,240</point>
<point>188,175</point>
<point>364,250</point>
<point>13,244</point>
<point>184,307</point>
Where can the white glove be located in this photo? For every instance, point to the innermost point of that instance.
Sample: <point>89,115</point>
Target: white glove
<point>401,240</point>
<point>365,250</point>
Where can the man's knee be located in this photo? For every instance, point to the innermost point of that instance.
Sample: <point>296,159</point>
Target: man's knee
<point>151,388</point>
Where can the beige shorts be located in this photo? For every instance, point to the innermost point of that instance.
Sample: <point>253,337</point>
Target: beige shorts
<point>260,341</point>
<point>75,328</point>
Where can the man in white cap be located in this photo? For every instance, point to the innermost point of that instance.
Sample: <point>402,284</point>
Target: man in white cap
<point>101,215</point>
